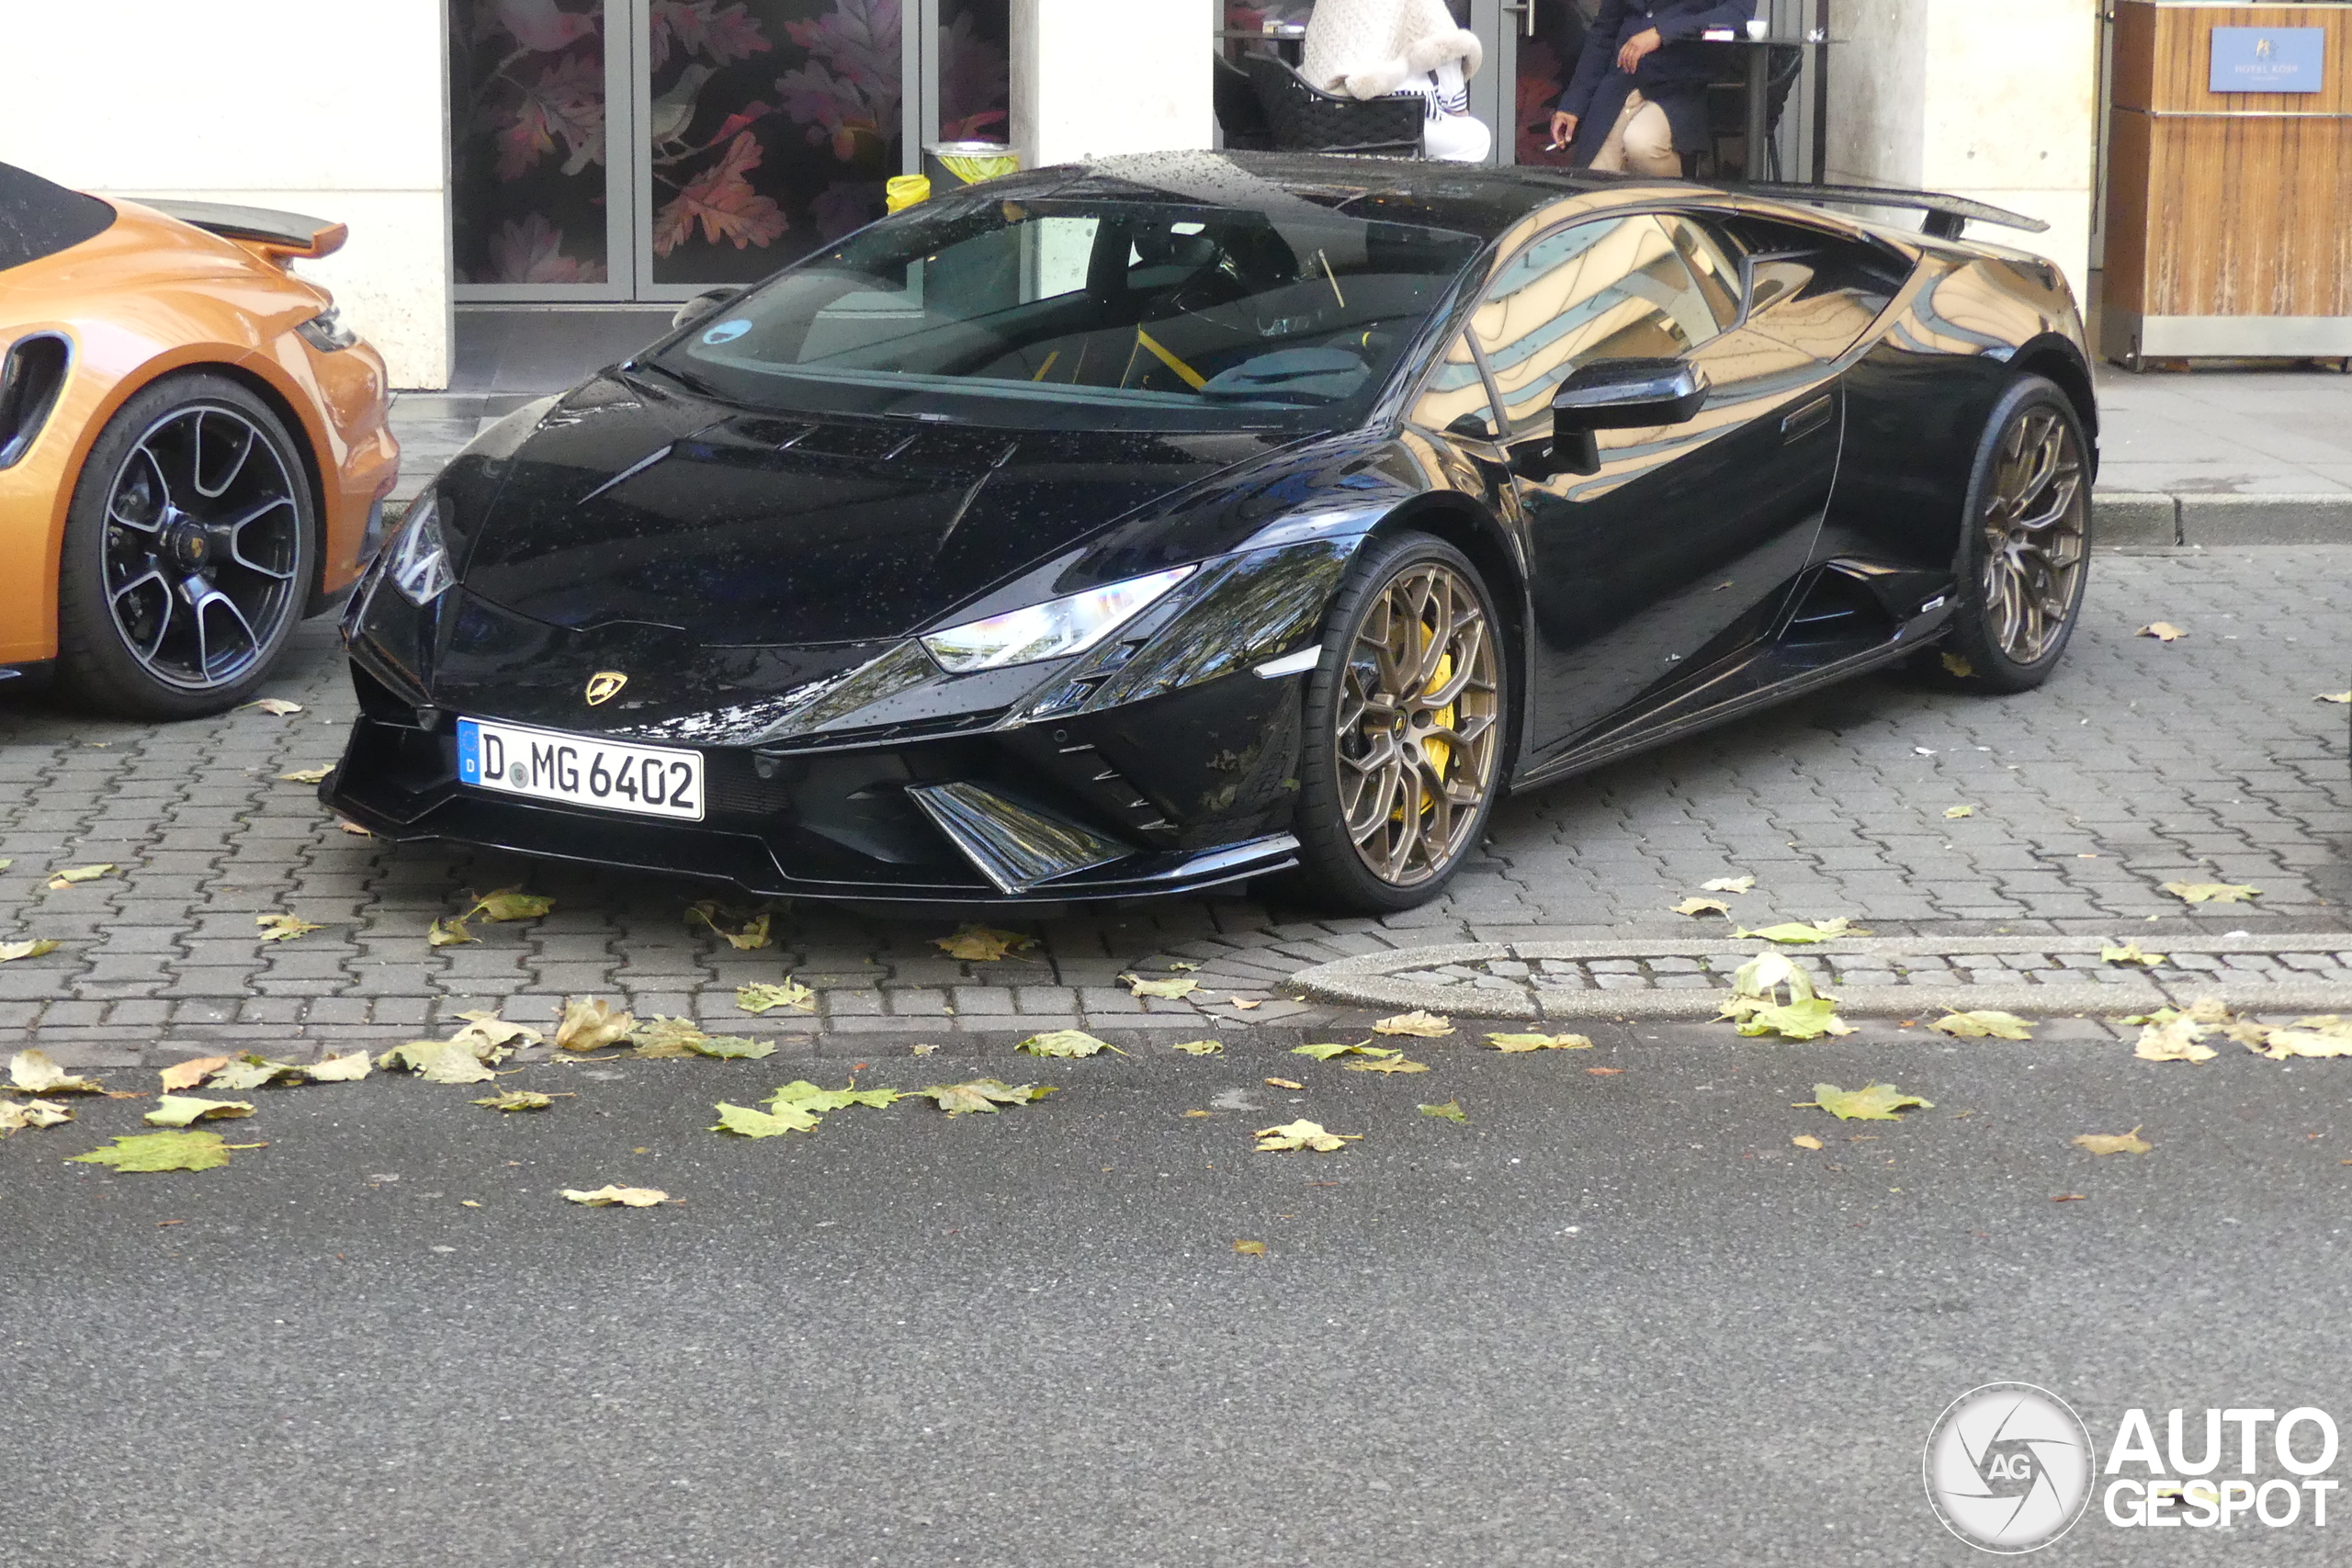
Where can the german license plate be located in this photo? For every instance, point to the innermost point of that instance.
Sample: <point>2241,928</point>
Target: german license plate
<point>578,770</point>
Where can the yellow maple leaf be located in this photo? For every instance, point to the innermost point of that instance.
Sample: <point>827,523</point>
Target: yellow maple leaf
<point>982,944</point>
<point>2128,1143</point>
<point>1428,1025</point>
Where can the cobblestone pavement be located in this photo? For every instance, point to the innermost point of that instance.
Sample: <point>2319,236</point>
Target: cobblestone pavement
<point>2206,759</point>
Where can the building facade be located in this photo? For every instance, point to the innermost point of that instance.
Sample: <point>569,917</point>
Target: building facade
<point>595,153</point>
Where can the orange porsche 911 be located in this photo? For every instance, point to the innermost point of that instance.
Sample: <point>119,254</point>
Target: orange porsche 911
<point>192,447</point>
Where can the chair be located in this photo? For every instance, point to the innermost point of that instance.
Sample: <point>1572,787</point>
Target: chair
<point>1727,110</point>
<point>1238,113</point>
<point>1305,119</point>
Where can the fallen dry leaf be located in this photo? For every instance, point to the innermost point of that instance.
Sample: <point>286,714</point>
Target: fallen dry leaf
<point>490,1028</point>
<point>1879,1102</point>
<point>1606,1072</point>
<point>1066,1043</point>
<point>745,930</point>
<point>983,1094</point>
<point>1200,1113</point>
<point>2212,892</point>
<point>1797,932</point>
<point>73,875</point>
<point>1957,812</point>
<point>1199,1048</point>
<point>509,904</point>
<point>982,944</point>
<point>2163,631</point>
<point>285,928</point>
<point>591,1024</point>
<point>34,1072</point>
<point>349,1068</point>
<point>276,707</point>
<point>2335,697</point>
<point>354,828</point>
<point>1957,665</point>
<point>1518,1042</point>
<point>1324,1050</point>
<point>1388,1062</point>
<point>2176,1041</point>
<point>1756,1008</point>
<point>180,1109</point>
<point>517,1100</point>
<point>163,1151</point>
<point>1166,990</point>
<point>1428,1025</point>
<point>252,1071</point>
<point>1450,1111</point>
<point>746,1122</point>
<point>1284,1083</point>
<point>12,951</point>
<point>804,1096</point>
<point>1729,884</point>
<point>763,996</point>
<point>190,1073</point>
<point>449,933</point>
<point>2130,953</point>
<point>2069,1198</point>
<point>1985,1024</point>
<point>1302,1135</point>
<point>1702,907</point>
<point>1806,1141</point>
<point>2318,1038</point>
<point>15,1117</point>
<point>306,776</point>
<point>658,1037</point>
<point>1246,1005</point>
<point>2128,1143</point>
<point>628,1197</point>
<point>1250,1248</point>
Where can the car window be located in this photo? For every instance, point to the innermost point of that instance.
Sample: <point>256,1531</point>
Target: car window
<point>1611,288</point>
<point>1454,397</point>
<point>1717,274</point>
<point>1100,313</point>
<point>1811,291</point>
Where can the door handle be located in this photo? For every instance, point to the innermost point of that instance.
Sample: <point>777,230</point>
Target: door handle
<point>1527,11</point>
<point>1808,419</point>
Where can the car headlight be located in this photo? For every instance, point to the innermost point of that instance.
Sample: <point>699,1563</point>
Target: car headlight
<point>1055,629</point>
<point>419,563</point>
<point>326,332</point>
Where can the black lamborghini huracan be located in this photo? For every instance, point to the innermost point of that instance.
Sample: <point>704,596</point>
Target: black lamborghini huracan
<point>1145,526</point>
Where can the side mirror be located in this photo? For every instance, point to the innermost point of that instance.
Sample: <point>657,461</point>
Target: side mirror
<point>702,304</point>
<point>1619,394</point>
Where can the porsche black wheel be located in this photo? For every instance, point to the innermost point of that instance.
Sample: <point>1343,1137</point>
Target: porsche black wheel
<point>1405,733</point>
<point>2025,555</point>
<point>188,553</point>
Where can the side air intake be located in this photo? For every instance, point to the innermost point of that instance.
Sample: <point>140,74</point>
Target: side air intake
<point>30,379</point>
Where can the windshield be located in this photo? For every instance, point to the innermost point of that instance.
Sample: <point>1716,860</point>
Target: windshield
<point>1090,314</point>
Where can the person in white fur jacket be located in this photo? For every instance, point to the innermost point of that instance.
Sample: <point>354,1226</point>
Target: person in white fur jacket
<point>1368,49</point>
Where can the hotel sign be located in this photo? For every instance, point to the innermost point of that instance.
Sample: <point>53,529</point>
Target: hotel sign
<point>2268,59</point>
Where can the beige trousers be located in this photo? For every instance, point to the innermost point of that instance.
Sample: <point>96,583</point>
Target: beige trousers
<point>1641,141</point>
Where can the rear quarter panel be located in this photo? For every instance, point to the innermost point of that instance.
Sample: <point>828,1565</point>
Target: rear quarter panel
<point>146,297</point>
<point>1919,391</point>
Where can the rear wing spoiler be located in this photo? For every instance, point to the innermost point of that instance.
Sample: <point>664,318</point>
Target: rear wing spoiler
<point>284,235</point>
<point>1947,215</point>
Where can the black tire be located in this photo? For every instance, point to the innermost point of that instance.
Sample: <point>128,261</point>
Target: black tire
<point>1356,854</point>
<point>191,552</point>
<point>2019,584</point>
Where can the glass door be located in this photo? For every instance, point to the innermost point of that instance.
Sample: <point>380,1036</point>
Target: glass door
<point>649,149</point>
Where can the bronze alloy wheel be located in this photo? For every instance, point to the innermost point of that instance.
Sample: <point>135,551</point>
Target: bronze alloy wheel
<point>2036,537</point>
<point>1418,731</point>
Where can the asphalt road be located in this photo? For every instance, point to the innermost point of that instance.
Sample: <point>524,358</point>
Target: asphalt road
<point>1615,1318</point>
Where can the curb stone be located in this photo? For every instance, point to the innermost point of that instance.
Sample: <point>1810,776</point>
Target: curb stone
<point>1379,980</point>
<point>2129,518</point>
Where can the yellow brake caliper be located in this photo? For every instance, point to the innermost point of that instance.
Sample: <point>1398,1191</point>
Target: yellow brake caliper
<point>1439,753</point>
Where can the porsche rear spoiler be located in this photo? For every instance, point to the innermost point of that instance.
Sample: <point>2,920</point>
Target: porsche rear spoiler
<point>1947,215</point>
<point>284,235</point>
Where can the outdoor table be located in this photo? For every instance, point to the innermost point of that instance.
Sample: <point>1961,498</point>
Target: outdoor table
<point>1759,86</point>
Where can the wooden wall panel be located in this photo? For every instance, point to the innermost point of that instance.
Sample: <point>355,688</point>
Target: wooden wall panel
<point>2227,203</point>
<point>2170,49</point>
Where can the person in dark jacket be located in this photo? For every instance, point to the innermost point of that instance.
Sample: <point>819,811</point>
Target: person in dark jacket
<point>1638,99</point>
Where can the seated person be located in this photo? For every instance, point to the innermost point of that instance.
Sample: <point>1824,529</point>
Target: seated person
<point>1638,100</point>
<point>1368,49</point>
